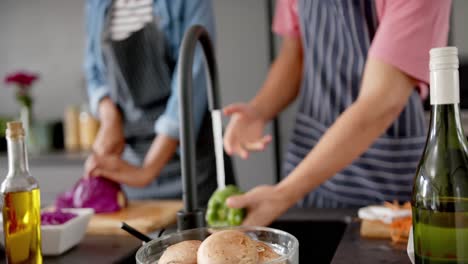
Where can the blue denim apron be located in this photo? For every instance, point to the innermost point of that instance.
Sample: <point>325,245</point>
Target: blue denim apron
<point>336,36</point>
<point>140,84</point>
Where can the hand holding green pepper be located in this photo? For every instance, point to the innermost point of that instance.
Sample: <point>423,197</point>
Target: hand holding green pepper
<point>219,214</point>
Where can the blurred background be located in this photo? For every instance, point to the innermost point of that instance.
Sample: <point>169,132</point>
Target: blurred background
<point>47,37</point>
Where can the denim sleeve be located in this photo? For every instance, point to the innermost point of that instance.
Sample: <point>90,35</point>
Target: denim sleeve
<point>94,67</point>
<point>195,12</point>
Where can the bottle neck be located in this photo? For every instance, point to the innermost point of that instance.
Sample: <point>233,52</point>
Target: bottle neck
<point>445,86</point>
<point>17,158</point>
<point>445,98</point>
<point>445,118</point>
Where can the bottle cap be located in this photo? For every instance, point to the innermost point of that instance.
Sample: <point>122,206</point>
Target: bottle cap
<point>443,58</point>
<point>445,87</point>
<point>14,129</point>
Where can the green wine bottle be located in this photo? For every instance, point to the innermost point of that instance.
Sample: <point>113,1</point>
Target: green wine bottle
<point>440,192</point>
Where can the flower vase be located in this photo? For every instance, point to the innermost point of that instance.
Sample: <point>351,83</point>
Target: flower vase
<point>25,117</point>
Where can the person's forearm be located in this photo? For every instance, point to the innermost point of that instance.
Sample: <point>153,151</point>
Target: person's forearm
<point>283,81</point>
<point>161,151</point>
<point>349,137</point>
<point>108,112</point>
<point>383,96</point>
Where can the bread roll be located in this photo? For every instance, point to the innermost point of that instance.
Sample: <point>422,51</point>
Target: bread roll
<point>181,253</point>
<point>228,247</point>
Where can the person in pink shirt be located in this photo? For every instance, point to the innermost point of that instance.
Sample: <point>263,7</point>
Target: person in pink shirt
<point>358,70</point>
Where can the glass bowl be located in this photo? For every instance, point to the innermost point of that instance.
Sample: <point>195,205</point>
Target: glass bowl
<point>282,242</point>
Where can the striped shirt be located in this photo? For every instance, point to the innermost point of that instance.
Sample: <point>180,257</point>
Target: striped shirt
<point>130,16</point>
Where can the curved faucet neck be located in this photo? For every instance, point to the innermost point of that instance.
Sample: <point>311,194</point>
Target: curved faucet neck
<point>191,216</point>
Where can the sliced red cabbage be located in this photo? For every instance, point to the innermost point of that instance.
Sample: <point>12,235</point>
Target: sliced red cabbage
<point>98,193</point>
<point>56,217</point>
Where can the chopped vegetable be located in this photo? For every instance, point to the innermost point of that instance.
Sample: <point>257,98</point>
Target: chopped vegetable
<point>56,217</point>
<point>219,214</point>
<point>400,228</point>
<point>97,193</point>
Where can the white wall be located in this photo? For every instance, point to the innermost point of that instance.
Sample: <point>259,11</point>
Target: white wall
<point>47,36</point>
<point>242,52</point>
<point>44,36</point>
<point>460,34</point>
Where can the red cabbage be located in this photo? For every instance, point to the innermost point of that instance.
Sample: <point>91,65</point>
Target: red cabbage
<point>56,217</point>
<point>65,200</point>
<point>98,193</point>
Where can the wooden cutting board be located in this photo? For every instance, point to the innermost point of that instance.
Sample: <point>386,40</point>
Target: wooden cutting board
<point>145,216</point>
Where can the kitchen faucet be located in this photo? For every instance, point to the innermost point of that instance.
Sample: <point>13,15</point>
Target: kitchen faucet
<point>191,216</point>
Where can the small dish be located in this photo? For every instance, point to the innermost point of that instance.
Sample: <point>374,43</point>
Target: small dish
<point>56,239</point>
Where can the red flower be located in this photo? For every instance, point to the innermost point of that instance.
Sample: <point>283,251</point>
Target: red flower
<point>22,79</point>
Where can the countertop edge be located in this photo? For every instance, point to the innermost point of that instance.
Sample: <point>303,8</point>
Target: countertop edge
<point>52,159</point>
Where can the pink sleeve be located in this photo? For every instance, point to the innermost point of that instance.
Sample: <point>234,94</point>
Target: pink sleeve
<point>407,31</point>
<point>286,21</point>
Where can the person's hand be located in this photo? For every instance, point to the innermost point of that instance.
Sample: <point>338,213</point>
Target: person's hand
<point>245,131</point>
<point>264,204</point>
<point>110,138</point>
<point>114,168</point>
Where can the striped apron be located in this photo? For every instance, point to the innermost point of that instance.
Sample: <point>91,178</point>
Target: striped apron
<point>336,36</point>
<point>140,71</point>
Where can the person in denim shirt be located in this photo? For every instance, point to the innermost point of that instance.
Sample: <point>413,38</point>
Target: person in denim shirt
<point>131,68</point>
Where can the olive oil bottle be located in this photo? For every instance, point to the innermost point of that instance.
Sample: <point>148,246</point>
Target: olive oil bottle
<point>21,203</point>
<point>440,194</point>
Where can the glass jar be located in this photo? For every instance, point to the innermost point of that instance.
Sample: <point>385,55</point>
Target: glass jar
<point>89,127</point>
<point>72,128</point>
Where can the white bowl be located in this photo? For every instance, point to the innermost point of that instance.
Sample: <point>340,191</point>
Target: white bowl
<point>56,239</point>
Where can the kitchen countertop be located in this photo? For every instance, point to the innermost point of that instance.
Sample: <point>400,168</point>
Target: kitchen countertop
<point>354,249</point>
<point>96,249</point>
<point>351,249</point>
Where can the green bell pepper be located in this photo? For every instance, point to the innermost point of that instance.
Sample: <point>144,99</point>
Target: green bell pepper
<point>218,214</point>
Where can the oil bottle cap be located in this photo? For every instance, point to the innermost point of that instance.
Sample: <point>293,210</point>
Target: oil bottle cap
<point>14,129</point>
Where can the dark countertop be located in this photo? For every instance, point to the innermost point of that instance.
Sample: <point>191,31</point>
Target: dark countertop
<point>351,248</point>
<point>96,249</point>
<point>354,249</point>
